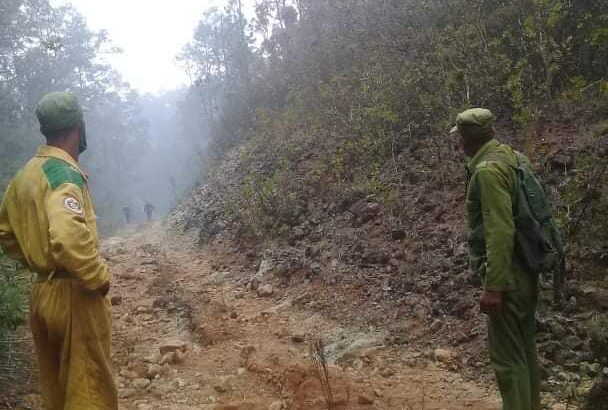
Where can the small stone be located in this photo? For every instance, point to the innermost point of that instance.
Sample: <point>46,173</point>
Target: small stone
<point>179,383</point>
<point>160,302</point>
<point>180,356</point>
<point>377,393</point>
<point>116,300</point>
<point>126,393</point>
<point>153,358</point>
<point>143,309</point>
<point>173,345</point>
<point>387,372</point>
<point>141,384</point>
<point>233,315</point>
<point>168,358</point>
<point>254,284</point>
<point>218,278</point>
<point>420,313</point>
<point>265,290</point>
<point>277,405</point>
<point>394,262</point>
<point>247,351</point>
<point>266,267</point>
<point>153,371</point>
<point>298,338</point>
<point>572,342</point>
<point>221,388</point>
<point>128,374</point>
<point>443,356</point>
<point>365,400</point>
<point>358,364</point>
<point>583,391</point>
<point>557,329</point>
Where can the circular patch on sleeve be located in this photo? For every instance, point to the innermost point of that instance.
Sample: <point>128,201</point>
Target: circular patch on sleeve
<point>73,205</point>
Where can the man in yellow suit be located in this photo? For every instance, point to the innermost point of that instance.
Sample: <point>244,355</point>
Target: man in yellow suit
<point>47,221</point>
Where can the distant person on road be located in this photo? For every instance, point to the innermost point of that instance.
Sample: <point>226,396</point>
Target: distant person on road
<point>127,213</point>
<point>173,184</point>
<point>47,222</point>
<point>149,209</point>
<point>510,293</point>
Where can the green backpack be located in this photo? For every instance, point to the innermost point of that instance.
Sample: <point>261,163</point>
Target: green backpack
<point>538,241</point>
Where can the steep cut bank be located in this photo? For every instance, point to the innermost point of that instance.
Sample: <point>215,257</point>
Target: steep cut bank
<point>392,256</point>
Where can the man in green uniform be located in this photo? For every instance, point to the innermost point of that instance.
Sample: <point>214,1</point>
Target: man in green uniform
<point>510,293</point>
<point>47,221</point>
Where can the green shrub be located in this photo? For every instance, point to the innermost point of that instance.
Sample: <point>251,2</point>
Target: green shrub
<point>12,297</point>
<point>598,332</point>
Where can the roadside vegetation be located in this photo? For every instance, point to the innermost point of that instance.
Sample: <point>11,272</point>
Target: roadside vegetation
<point>313,107</point>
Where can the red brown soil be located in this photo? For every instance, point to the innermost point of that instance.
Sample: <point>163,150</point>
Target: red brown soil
<point>245,352</point>
<point>242,354</point>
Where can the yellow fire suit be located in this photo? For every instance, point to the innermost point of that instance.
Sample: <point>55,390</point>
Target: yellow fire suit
<point>47,221</point>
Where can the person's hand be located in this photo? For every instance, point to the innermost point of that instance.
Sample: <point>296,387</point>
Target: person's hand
<point>490,302</point>
<point>103,289</point>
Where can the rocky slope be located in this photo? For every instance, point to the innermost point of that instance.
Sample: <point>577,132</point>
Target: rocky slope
<point>400,266</point>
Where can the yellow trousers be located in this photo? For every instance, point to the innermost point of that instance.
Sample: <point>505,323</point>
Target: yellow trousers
<point>72,334</point>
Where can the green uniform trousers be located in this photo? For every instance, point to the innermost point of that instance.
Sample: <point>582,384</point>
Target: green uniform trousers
<point>72,334</point>
<point>512,343</point>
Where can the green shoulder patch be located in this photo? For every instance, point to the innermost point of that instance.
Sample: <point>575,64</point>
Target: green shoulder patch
<point>59,172</point>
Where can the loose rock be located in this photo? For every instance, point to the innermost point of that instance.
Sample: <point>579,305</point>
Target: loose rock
<point>298,338</point>
<point>153,371</point>
<point>126,393</point>
<point>387,372</point>
<point>365,400</point>
<point>265,290</point>
<point>173,345</point>
<point>168,358</point>
<point>277,405</point>
<point>141,384</point>
<point>443,356</point>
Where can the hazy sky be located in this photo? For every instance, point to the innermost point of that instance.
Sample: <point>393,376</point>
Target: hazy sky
<point>150,32</point>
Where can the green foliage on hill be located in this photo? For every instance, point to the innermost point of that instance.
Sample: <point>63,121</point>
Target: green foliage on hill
<point>44,49</point>
<point>12,299</point>
<point>353,84</point>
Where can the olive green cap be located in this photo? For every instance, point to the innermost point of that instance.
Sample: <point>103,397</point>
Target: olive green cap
<point>58,111</point>
<point>480,117</point>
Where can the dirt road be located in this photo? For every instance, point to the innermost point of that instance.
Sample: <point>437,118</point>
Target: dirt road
<point>189,335</point>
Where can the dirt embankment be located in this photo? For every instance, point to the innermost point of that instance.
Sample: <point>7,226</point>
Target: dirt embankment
<point>396,260</point>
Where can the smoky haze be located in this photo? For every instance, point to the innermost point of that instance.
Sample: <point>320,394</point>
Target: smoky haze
<point>147,136</point>
<point>149,35</point>
<point>156,165</point>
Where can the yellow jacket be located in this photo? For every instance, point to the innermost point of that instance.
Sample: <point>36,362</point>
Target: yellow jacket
<point>48,222</point>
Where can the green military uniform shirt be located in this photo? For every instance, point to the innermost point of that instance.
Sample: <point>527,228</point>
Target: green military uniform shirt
<point>490,192</point>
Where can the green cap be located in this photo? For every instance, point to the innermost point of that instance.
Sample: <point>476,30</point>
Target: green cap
<point>58,111</point>
<point>480,117</point>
